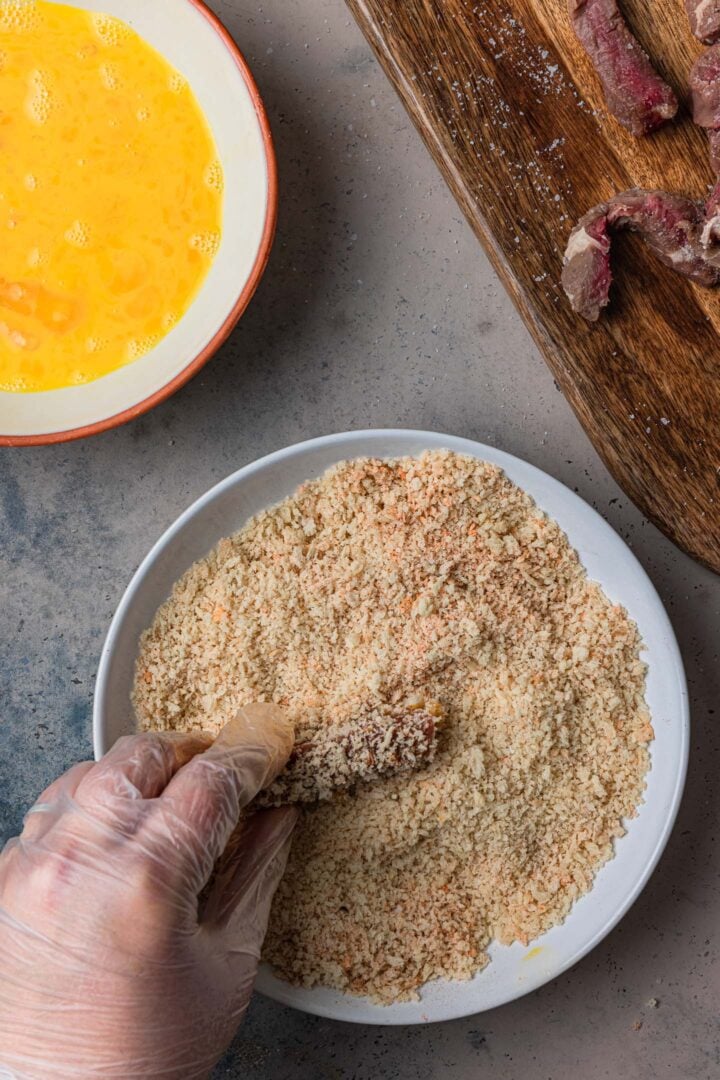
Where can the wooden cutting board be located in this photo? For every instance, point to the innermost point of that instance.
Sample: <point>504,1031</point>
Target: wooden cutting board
<point>513,113</point>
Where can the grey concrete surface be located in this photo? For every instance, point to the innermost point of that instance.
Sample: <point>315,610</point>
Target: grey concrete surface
<point>378,309</point>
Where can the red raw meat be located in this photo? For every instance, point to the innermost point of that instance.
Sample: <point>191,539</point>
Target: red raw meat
<point>634,91</point>
<point>704,18</point>
<point>671,226</point>
<point>705,86</point>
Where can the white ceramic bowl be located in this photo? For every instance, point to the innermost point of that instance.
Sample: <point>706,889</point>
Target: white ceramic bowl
<point>514,970</point>
<point>188,34</point>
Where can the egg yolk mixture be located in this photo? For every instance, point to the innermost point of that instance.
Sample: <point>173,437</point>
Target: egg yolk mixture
<point>110,196</point>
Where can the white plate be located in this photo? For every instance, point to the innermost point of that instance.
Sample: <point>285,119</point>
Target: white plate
<point>514,970</point>
<point>191,37</point>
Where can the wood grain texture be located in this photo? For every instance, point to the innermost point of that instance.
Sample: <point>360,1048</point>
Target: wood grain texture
<point>513,113</point>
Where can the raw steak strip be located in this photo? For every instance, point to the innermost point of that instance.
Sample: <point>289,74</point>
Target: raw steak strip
<point>634,91</point>
<point>671,226</point>
<point>705,86</point>
<point>382,744</point>
<point>704,18</point>
<point>586,276</point>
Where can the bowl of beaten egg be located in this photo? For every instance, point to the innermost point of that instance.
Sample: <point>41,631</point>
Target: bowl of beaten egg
<point>138,199</point>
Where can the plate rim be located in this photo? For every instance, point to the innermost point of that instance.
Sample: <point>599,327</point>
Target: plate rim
<point>268,984</point>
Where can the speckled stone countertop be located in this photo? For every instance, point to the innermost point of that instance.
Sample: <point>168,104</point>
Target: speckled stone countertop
<point>378,309</point>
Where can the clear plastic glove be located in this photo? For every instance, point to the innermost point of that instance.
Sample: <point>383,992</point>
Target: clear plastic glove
<point>110,965</point>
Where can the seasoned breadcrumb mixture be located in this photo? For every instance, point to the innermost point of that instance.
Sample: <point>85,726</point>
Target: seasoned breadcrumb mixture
<point>388,582</point>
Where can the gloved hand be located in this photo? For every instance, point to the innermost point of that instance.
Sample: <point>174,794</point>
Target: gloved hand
<point>109,964</point>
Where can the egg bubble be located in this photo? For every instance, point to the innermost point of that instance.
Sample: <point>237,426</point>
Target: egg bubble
<point>40,103</point>
<point>215,177</point>
<point>111,31</point>
<point>78,234</point>
<point>18,338</point>
<point>178,82</point>
<point>170,320</point>
<point>207,243</point>
<point>138,347</point>
<point>36,257</point>
<point>31,182</point>
<point>143,114</point>
<point>17,384</point>
<point>110,76</point>
<point>18,16</point>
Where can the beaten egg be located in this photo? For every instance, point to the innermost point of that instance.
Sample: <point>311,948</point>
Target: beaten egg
<point>111,196</point>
